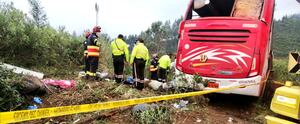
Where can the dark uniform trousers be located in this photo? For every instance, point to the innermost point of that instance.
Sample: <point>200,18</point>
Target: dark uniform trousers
<point>118,62</point>
<point>162,75</point>
<point>93,63</point>
<point>154,75</point>
<point>86,63</point>
<point>138,72</point>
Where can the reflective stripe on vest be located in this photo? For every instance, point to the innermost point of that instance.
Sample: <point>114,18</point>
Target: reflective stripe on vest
<point>91,73</point>
<point>85,53</point>
<point>93,51</point>
<point>152,68</point>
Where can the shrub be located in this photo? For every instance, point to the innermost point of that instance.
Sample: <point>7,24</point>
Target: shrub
<point>10,98</point>
<point>280,67</point>
<point>160,115</point>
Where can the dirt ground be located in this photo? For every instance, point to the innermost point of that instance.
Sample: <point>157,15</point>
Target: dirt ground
<point>210,109</point>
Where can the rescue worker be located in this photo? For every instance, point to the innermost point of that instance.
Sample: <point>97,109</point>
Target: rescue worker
<point>164,65</point>
<point>93,51</point>
<point>139,58</point>
<point>154,67</point>
<point>85,44</point>
<point>119,54</point>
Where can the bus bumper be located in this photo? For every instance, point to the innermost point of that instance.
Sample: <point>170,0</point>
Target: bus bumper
<point>250,91</point>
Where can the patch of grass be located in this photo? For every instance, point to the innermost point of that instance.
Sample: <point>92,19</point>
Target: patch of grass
<point>100,122</point>
<point>80,85</point>
<point>280,67</point>
<point>159,115</point>
<point>132,93</point>
<point>98,94</point>
<point>262,110</point>
<point>120,90</point>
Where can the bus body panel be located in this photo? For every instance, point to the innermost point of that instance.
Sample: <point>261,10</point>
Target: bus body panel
<point>227,49</point>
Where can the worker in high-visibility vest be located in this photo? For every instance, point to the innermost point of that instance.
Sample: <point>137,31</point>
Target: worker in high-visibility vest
<point>93,51</point>
<point>139,58</point>
<point>164,65</point>
<point>120,54</point>
<point>154,67</point>
<point>85,54</point>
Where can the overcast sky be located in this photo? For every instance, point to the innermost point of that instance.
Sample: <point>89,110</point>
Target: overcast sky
<point>123,16</point>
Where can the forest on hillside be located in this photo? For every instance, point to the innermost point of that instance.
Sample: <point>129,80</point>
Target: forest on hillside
<point>286,36</point>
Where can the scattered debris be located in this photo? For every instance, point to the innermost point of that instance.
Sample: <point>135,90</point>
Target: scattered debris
<point>129,80</point>
<point>32,107</point>
<point>32,85</point>
<point>155,85</point>
<point>144,107</point>
<point>65,84</point>
<point>23,71</point>
<point>101,75</point>
<point>182,84</point>
<point>81,74</point>
<point>230,119</point>
<point>181,105</point>
<point>198,120</point>
<point>37,100</point>
<point>76,121</point>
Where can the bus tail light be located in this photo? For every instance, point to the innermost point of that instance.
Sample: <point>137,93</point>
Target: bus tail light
<point>255,66</point>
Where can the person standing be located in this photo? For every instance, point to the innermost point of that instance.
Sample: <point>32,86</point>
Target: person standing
<point>139,58</point>
<point>119,54</point>
<point>93,51</point>
<point>153,67</point>
<point>85,54</point>
<point>164,65</point>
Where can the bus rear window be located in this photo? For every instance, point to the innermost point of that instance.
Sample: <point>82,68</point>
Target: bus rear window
<point>230,8</point>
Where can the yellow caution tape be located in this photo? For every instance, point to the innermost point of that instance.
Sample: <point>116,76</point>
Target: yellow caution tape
<point>277,82</point>
<point>25,115</point>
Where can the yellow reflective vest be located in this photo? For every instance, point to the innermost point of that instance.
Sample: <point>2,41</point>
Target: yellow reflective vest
<point>119,47</point>
<point>164,62</point>
<point>139,51</point>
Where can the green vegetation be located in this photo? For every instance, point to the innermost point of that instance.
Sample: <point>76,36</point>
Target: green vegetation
<point>10,98</point>
<point>280,68</point>
<point>24,43</point>
<point>160,115</point>
<point>286,36</point>
<point>34,44</point>
<point>159,37</point>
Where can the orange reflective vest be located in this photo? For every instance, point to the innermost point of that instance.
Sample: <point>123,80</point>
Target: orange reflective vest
<point>152,68</point>
<point>93,51</point>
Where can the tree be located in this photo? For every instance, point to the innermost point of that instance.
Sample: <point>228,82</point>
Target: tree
<point>38,14</point>
<point>286,36</point>
<point>162,37</point>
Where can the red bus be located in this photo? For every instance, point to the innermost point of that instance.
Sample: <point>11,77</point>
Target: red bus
<point>227,42</point>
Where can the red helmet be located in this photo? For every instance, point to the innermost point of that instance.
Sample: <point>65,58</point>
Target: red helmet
<point>87,34</point>
<point>96,29</point>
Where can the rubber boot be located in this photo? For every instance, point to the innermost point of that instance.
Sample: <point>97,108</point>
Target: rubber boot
<point>140,86</point>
